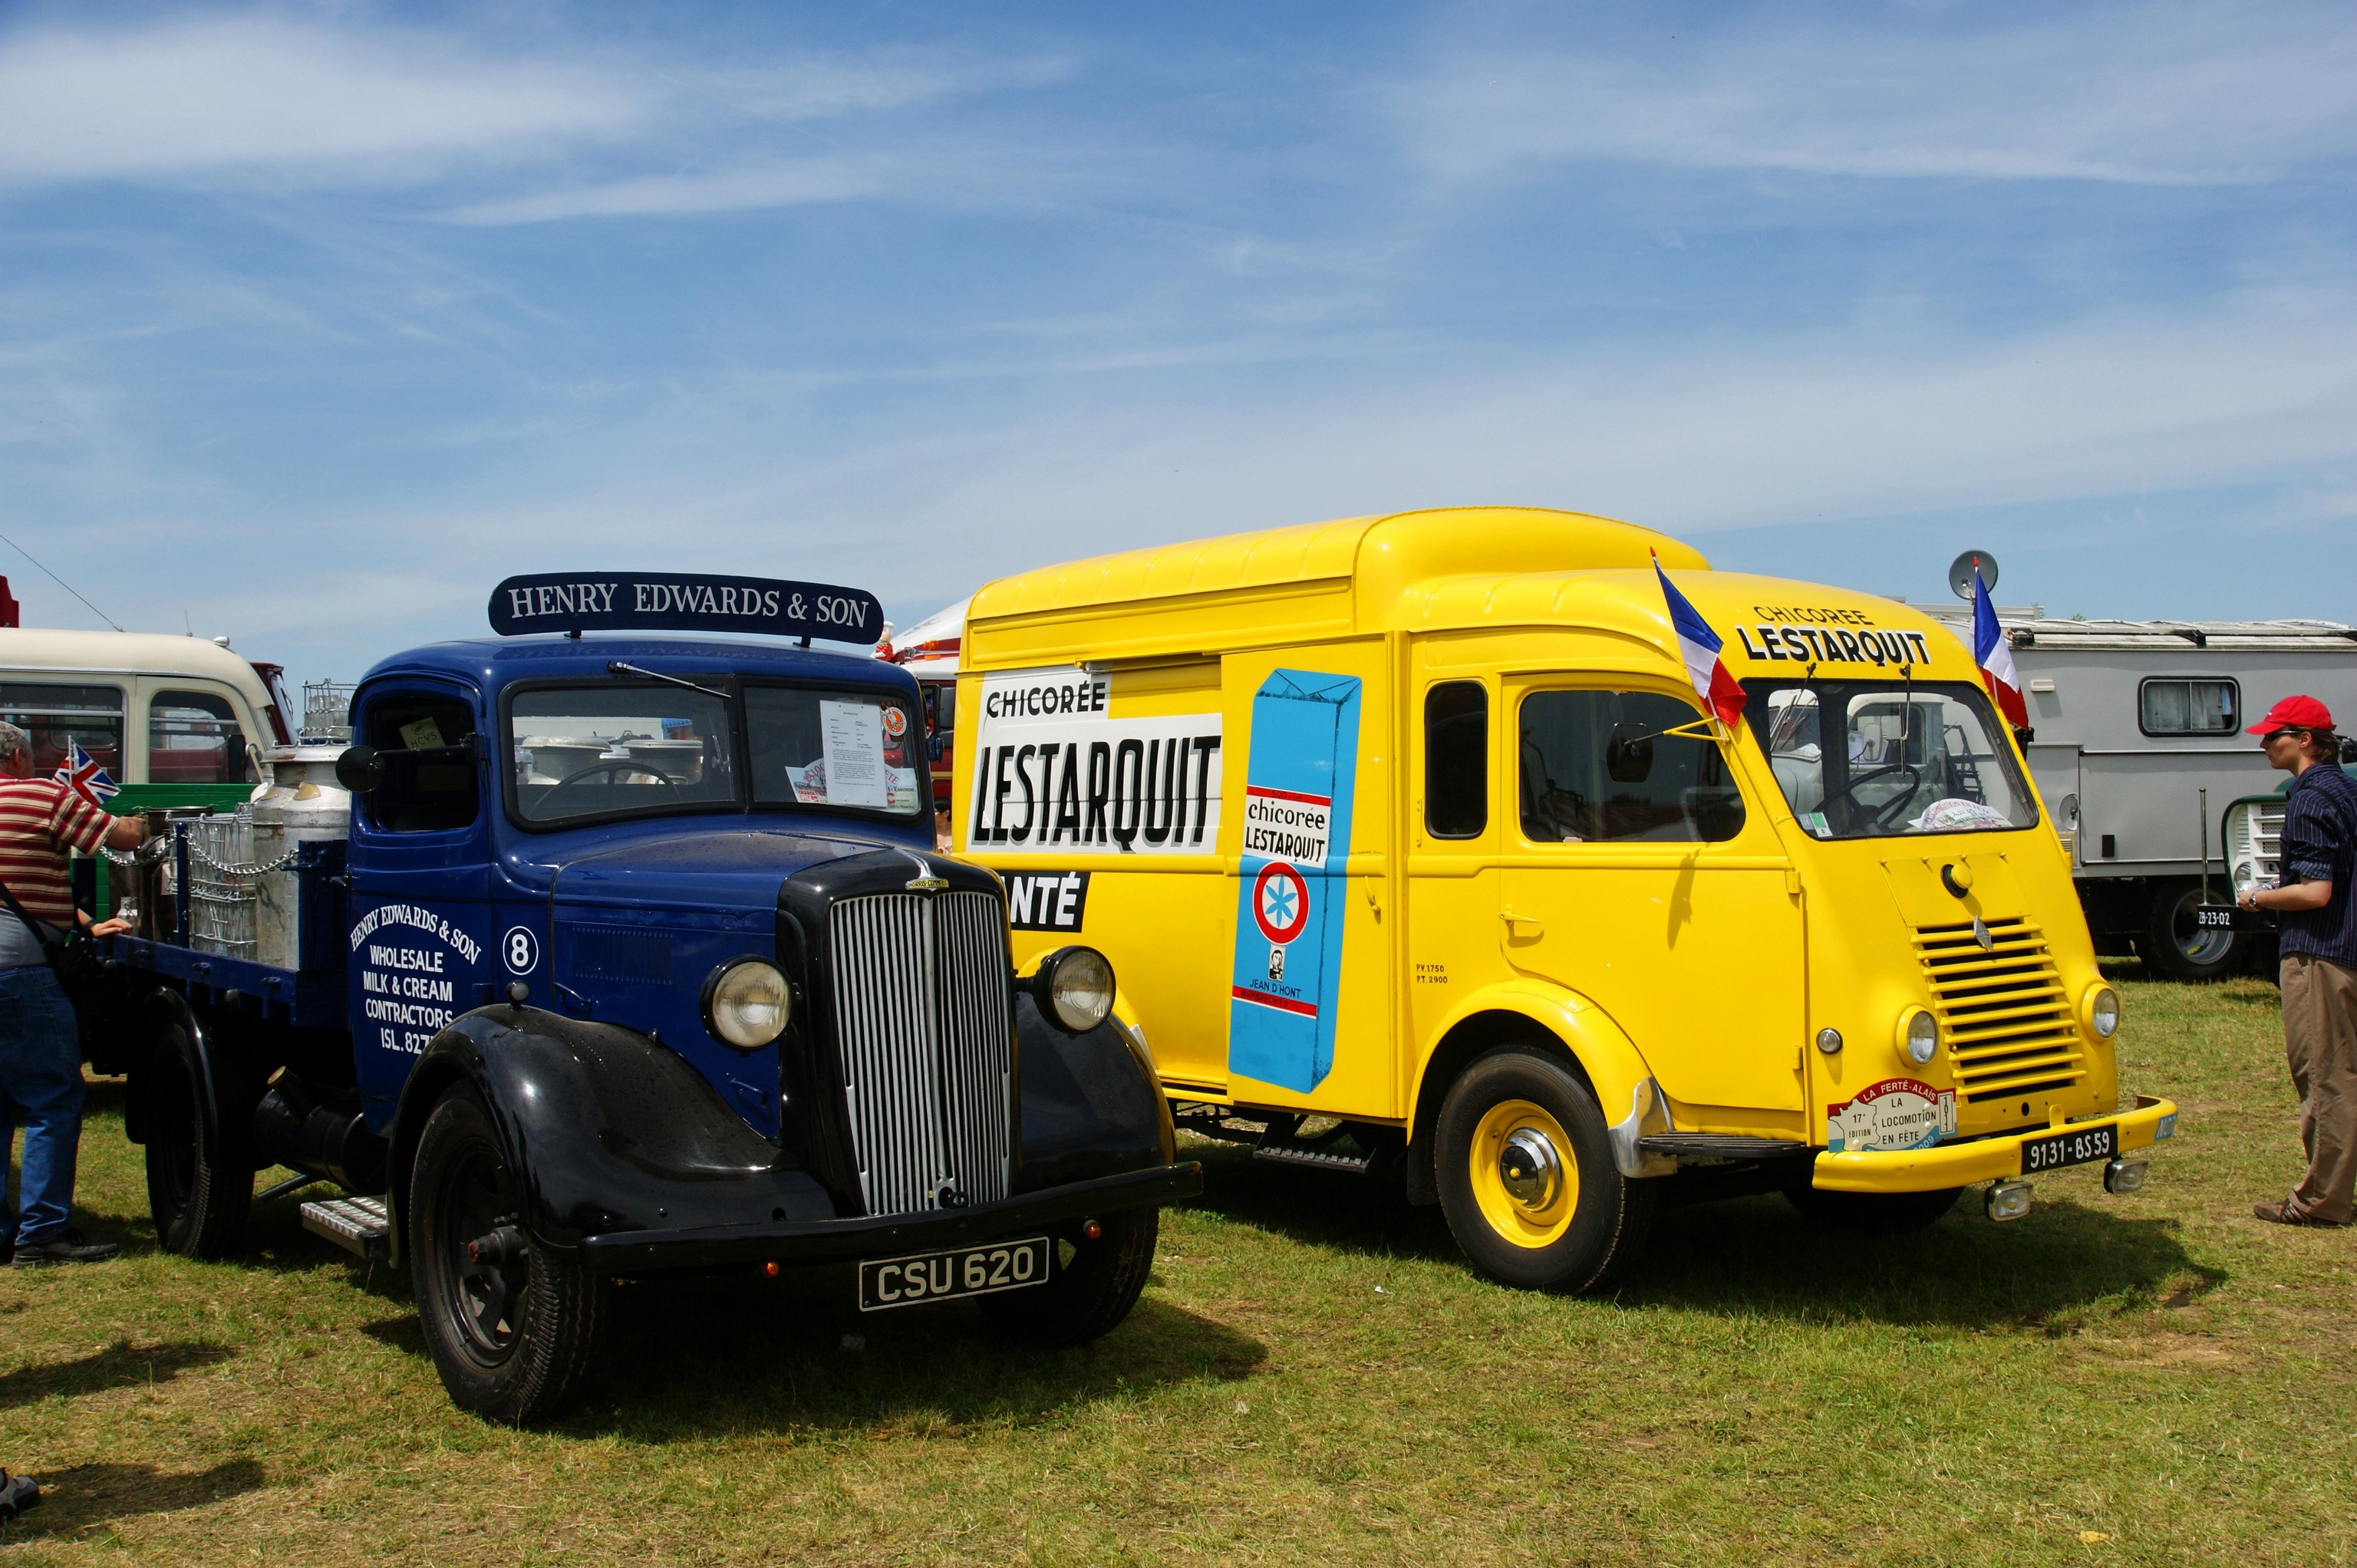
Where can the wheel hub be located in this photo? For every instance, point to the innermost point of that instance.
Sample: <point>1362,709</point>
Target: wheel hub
<point>1529,1168</point>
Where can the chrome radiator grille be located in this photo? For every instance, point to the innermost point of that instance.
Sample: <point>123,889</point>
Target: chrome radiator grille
<point>922,1013</point>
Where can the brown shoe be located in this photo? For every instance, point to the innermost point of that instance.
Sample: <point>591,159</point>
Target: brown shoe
<point>2284,1214</point>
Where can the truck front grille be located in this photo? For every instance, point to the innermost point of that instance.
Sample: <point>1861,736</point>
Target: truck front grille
<point>2008,1020</point>
<point>921,1010</point>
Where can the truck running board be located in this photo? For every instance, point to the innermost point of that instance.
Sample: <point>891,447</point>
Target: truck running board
<point>1719,1145</point>
<point>355,1224</point>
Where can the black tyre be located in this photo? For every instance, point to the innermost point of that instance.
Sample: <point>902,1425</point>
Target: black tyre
<point>1527,1176</point>
<point>1093,1286</point>
<point>1873,1213</point>
<point>512,1327</point>
<point>2171,944</point>
<point>199,1189</point>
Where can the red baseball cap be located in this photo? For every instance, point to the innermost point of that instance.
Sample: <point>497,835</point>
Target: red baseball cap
<point>2295,712</point>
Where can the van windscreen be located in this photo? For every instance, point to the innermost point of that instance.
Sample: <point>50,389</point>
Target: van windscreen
<point>1883,759</point>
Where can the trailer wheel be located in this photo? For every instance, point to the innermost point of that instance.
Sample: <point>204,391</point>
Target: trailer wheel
<point>2171,944</point>
<point>512,1327</point>
<point>197,1191</point>
<point>1872,1213</point>
<point>1090,1292</point>
<point>1527,1179</point>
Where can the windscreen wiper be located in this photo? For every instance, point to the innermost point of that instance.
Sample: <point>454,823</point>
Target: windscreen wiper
<point>619,668</point>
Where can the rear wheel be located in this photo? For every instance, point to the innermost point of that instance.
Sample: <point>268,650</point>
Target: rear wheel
<point>512,1327</point>
<point>1872,1213</point>
<point>1528,1180</point>
<point>2171,944</point>
<point>198,1191</point>
<point>1093,1286</point>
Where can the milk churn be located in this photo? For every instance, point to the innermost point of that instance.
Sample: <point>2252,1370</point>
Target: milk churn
<point>301,804</point>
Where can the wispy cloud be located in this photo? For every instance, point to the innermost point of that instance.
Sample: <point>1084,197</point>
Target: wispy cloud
<point>2162,95</point>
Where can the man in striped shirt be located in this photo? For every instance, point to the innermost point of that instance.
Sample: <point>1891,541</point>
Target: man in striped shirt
<point>41,821</point>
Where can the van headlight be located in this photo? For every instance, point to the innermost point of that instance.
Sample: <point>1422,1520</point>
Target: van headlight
<point>2102,1011</point>
<point>1073,989</point>
<point>1918,1035</point>
<point>747,1004</point>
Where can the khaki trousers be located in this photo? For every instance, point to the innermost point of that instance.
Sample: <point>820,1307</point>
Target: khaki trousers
<point>2320,1014</point>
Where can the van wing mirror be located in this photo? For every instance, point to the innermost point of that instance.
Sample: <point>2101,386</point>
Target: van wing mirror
<point>1629,754</point>
<point>359,770</point>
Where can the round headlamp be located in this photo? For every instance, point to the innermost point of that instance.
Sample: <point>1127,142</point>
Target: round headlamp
<point>747,1004</point>
<point>1918,1035</point>
<point>2102,1011</point>
<point>1073,989</point>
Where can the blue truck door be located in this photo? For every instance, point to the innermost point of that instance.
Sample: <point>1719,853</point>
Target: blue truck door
<point>420,864</point>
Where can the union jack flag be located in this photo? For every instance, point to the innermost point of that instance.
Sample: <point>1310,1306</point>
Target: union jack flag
<point>86,779</point>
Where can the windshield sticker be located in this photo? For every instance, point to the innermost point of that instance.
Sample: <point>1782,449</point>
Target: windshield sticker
<point>850,769</point>
<point>1300,780</point>
<point>1897,1114</point>
<point>1053,771</point>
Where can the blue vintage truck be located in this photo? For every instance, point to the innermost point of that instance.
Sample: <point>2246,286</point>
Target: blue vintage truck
<point>637,959</point>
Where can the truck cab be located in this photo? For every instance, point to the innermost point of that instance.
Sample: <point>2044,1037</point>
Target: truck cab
<point>638,959</point>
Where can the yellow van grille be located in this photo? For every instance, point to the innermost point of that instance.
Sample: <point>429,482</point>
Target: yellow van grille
<point>2003,1012</point>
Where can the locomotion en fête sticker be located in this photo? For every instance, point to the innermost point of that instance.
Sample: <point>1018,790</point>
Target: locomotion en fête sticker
<point>1300,780</point>
<point>1053,771</point>
<point>1897,1114</point>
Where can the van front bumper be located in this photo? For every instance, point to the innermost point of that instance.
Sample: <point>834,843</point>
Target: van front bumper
<point>835,1241</point>
<point>1982,1159</point>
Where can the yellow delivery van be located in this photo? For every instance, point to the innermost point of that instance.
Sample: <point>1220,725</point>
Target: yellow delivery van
<point>1522,852</point>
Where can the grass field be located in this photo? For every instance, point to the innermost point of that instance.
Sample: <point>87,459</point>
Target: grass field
<point>1311,1376</point>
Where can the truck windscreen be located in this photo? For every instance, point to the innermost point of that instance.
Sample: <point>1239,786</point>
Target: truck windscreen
<point>1875,759</point>
<point>592,751</point>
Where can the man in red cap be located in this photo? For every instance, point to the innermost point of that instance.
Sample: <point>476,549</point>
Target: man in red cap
<point>2318,943</point>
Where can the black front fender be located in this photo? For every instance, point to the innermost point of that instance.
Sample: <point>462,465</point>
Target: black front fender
<point>1092,1105</point>
<point>603,1130</point>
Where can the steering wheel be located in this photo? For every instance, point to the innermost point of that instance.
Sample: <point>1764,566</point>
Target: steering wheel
<point>1880,816</point>
<point>609,770</point>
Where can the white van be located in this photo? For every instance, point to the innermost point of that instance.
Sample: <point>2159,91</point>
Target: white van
<point>149,709</point>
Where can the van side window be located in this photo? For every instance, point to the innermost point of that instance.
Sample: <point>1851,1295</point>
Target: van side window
<point>193,738</point>
<point>1456,759</point>
<point>1597,766</point>
<point>2189,708</point>
<point>429,767</point>
<point>59,718</point>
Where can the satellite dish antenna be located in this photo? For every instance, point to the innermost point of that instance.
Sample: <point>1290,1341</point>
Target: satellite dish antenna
<point>1961,570</point>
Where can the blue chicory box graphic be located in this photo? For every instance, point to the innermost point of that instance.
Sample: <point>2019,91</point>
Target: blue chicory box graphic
<point>1298,782</point>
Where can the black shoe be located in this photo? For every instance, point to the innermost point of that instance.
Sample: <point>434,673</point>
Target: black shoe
<point>67,1246</point>
<point>17,1493</point>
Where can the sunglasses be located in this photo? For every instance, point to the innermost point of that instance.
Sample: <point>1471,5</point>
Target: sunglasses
<point>2269,738</point>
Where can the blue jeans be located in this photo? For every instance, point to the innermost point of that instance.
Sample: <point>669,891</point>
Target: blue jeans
<point>40,1084</point>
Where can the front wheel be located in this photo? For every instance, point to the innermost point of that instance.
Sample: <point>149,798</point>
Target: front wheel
<point>198,1191</point>
<point>1527,1179</point>
<point>1093,1286</point>
<point>512,1327</point>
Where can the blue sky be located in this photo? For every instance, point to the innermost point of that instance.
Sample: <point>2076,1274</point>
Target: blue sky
<point>316,320</point>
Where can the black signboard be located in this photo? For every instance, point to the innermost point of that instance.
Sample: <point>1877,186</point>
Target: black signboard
<point>673,601</point>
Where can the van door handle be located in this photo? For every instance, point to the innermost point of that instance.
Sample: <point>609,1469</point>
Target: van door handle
<point>1514,921</point>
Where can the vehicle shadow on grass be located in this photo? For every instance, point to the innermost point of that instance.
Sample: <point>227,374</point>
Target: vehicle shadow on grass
<point>84,1495</point>
<point>115,1367</point>
<point>1758,1257</point>
<point>686,1359</point>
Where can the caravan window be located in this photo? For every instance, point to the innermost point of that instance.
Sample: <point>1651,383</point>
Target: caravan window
<point>2189,708</point>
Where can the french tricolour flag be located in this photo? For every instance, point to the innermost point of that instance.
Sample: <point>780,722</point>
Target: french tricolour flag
<point>1700,647</point>
<point>1994,654</point>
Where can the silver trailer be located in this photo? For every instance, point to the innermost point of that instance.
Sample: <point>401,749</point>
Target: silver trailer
<point>2137,747</point>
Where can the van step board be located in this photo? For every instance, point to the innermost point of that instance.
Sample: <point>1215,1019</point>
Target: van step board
<point>355,1224</point>
<point>1719,1145</point>
<point>1317,1159</point>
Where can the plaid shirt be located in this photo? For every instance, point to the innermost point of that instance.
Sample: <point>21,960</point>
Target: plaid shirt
<point>41,821</point>
<point>2319,844</point>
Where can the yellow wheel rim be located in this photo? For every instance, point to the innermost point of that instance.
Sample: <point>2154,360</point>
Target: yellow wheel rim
<point>1524,1174</point>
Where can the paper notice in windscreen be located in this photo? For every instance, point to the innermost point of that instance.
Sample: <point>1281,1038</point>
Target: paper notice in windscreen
<point>852,736</point>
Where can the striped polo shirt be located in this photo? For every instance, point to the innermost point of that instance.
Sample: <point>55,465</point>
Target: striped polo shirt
<point>40,820</point>
<point>2319,844</point>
